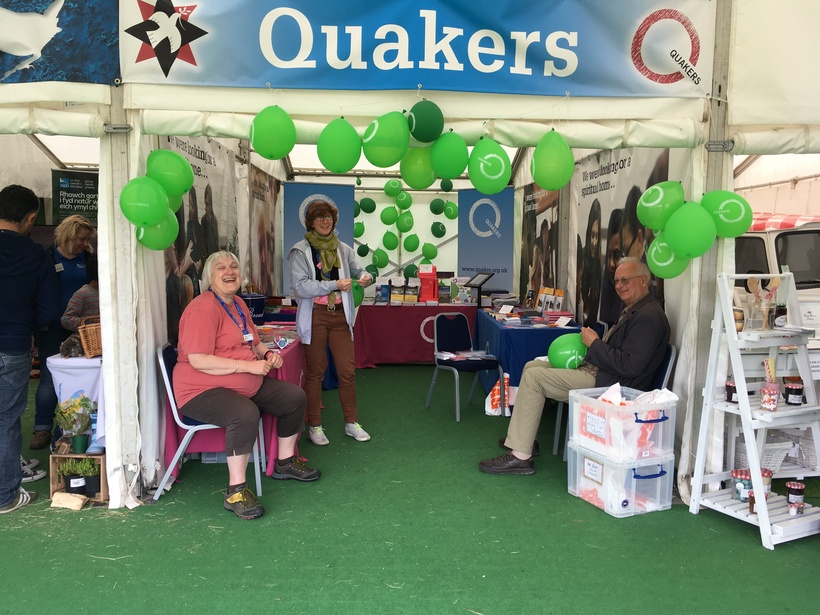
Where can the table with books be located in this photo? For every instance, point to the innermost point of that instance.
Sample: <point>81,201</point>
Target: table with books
<point>400,333</point>
<point>514,345</point>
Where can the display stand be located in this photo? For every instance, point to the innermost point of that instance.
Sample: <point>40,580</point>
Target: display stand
<point>787,346</point>
<point>477,281</point>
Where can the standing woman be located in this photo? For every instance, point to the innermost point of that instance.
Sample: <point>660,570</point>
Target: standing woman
<point>71,246</point>
<point>321,268</point>
<point>591,277</point>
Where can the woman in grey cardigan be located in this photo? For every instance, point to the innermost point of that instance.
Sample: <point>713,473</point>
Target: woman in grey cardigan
<point>321,272</point>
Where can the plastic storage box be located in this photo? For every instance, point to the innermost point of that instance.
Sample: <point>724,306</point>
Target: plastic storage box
<point>635,431</point>
<point>620,488</point>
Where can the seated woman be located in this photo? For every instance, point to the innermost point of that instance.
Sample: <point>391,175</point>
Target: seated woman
<point>221,378</point>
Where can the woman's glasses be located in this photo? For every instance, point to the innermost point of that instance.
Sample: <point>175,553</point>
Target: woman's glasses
<point>325,218</point>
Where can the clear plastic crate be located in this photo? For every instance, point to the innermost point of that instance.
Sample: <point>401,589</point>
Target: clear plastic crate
<point>620,488</point>
<point>634,431</point>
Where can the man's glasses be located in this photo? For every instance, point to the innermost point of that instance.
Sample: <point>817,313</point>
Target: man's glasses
<point>624,280</point>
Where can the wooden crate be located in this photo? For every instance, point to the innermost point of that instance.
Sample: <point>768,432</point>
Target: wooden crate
<point>56,460</point>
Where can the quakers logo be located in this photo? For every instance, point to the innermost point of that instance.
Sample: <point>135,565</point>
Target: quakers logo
<point>166,33</point>
<point>491,225</point>
<point>666,48</point>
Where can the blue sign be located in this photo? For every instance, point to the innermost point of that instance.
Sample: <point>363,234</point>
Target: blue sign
<point>485,236</point>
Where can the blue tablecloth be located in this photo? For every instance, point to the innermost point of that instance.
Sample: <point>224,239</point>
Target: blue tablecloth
<point>514,346</point>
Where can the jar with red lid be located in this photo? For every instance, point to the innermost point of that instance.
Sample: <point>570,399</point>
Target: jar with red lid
<point>795,492</point>
<point>766,474</point>
<point>741,484</point>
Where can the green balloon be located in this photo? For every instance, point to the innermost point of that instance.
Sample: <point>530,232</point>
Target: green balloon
<point>170,170</point>
<point>357,209</point>
<point>273,133</point>
<point>390,240</point>
<point>175,202</point>
<point>446,185</point>
<point>404,200</point>
<point>363,250</point>
<point>489,167</point>
<point>144,202</point>
<point>425,261</point>
<point>552,162</point>
<point>339,146</point>
<point>449,156</point>
<point>160,236</point>
<point>730,212</point>
<point>415,168</point>
<point>386,139</point>
<point>662,261</point>
<point>411,243</point>
<point>405,222</point>
<point>690,231</point>
<point>437,206</point>
<point>380,258</point>
<point>567,351</point>
<point>429,250</point>
<point>426,121</point>
<point>372,270</point>
<point>358,292</point>
<point>450,210</point>
<point>358,229</point>
<point>367,205</point>
<point>658,203</point>
<point>411,271</point>
<point>392,188</point>
<point>438,229</point>
<point>389,215</point>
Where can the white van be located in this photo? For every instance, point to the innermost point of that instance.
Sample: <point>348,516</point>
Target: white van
<point>775,241</point>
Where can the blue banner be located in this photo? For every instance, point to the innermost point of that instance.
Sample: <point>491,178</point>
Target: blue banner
<point>581,48</point>
<point>297,199</point>
<point>58,40</point>
<point>485,236</point>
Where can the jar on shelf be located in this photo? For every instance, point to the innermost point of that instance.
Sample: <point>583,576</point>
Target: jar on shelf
<point>741,484</point>
<point>795,492</point>
<point>793,393</point>
<point>766,474</point>
<point>731,391</point>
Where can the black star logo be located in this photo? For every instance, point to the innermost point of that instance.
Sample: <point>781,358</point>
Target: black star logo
<point>166,33</point>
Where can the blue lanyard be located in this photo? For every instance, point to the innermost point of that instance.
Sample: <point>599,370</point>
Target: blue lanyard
<point>244,325</point>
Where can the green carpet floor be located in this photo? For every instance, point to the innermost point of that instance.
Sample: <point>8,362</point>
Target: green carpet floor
<point>404,523</point>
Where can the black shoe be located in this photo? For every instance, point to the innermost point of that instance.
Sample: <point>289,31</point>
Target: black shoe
<point>295,469</point>
<point>40,439</point>
<point>507,464</point>
<point>244,504</point>
<point>536,450</point>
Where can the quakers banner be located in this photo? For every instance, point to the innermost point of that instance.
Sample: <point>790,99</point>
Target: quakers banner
<point>584,48</point>
<point>297,199</point>
<point>485,236</point>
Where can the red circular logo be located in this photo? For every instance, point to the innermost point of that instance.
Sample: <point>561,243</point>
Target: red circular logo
<point>637,44</point>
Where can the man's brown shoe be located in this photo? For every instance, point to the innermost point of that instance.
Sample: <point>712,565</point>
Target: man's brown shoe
<point>40,439</point>
<point>507,464</point>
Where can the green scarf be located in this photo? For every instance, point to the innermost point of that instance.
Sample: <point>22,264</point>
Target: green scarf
<point>328,247</point>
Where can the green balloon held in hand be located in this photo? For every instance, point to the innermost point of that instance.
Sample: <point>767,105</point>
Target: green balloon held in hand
<point>367,205</point>
<point>429,250</point>
<point>567,351</point>
<point>390,240</point>
<point>144,202</point>
<point>358,293</point>
<point>438,229</point>
<point>160,236</point>
<point>411,243</point>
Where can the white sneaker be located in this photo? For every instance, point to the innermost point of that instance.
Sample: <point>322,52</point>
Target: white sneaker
<point>22,498</point>
<point>354,430</point>
<point>30,476</point>
<point>29,463</point>
<point>317,435</point>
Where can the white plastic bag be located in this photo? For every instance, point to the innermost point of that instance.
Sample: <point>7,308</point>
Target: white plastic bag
<point>492,403</point>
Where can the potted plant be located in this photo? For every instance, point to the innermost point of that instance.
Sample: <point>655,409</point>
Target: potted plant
<point>74,417</point>
<point>70,471</point>
<point>90,470</point>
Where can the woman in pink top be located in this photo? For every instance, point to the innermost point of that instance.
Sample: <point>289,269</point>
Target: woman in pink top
<point>221,378</point>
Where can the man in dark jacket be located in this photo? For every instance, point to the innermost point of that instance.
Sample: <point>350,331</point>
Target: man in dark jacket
<point>630,353</point>
<point>28,300</point>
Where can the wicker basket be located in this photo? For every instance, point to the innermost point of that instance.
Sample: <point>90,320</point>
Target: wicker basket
<point>773,455</point>
<point>91,337</point>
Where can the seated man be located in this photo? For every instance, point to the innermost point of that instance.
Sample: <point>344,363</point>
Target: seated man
<point>630,353</point>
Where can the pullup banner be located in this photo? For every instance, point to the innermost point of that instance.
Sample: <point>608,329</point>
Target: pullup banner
<point>581,48</point>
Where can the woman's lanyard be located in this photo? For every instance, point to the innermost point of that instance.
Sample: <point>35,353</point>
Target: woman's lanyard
<point>246,335</point>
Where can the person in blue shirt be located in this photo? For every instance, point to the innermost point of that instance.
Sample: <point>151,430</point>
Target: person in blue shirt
<point>28,299</point>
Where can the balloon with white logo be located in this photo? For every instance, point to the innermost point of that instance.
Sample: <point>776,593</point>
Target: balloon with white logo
<point>386,139</point>
<point>662,261</point>
<point>489,167</point>
<point>730,212</point>
<point>658,203</point>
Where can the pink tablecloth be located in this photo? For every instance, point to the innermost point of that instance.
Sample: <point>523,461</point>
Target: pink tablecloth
<point>213,440</point>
